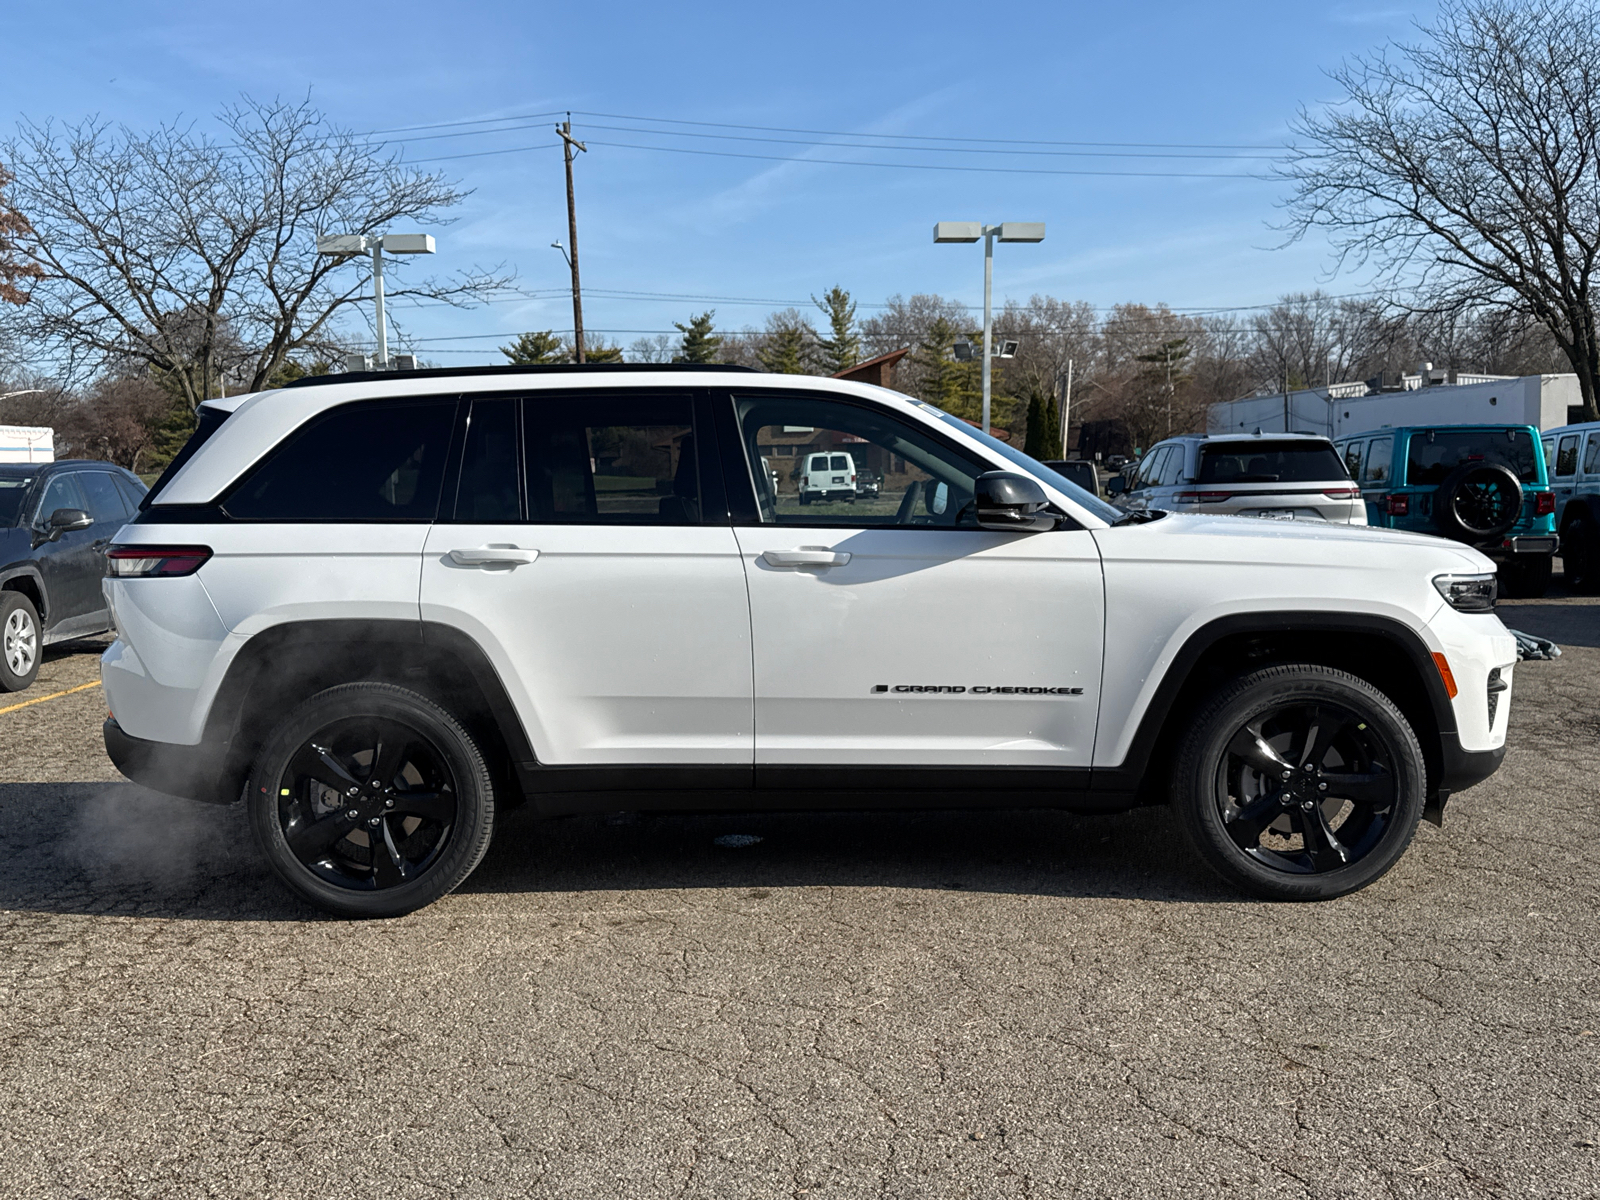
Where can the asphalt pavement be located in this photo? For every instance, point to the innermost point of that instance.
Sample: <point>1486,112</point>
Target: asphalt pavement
<point>857,1005</point>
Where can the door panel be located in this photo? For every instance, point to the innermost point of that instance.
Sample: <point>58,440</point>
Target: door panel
<point>919,647</point>
<point>69,564</point>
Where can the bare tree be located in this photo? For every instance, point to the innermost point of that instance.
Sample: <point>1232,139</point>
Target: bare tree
<point>1467,165</point>
<point>160,247</point>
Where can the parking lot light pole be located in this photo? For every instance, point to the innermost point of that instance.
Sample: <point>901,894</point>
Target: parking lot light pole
<point>347,245</point>
<point>971,231</point>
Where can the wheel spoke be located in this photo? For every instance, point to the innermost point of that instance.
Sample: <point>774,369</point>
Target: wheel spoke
<point>1249,745</point>
<point>1374,788</point>
<point>430,806</point>
<point>311,840</point>
<point>1323,727</point>
<point>388,756</point>
<point>340,772</point>
<point>1325,850</point>
<point>387,867</point>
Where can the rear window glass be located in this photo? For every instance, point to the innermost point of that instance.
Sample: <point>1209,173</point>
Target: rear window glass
<point>837,463</point>
<point>1269,462</point>
<point>381,461</point>
<point>1567,455</point>
<point>1434,453</point>
<point>819,463</point>
<point>13,489</point>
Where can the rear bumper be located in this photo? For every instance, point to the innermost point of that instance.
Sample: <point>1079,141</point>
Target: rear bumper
<point>195,772</point>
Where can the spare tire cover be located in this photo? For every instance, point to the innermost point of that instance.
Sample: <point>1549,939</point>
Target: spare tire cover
<point>1477,500</point>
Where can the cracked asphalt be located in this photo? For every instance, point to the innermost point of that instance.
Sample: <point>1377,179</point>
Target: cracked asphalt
<point>859,1005</point>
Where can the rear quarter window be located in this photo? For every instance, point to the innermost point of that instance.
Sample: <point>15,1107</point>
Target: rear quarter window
<point>1269,462</point>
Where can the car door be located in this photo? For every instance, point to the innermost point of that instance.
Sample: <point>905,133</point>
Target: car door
<point>895,632</point>
<point>602,579</point>
<point>110,512</point>
<point>1376,480</point>
<point>68,562</point>
<point>1589,480</point>
<point>1564,471</point>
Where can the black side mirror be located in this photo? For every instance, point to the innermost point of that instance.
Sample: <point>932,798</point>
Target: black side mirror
<point>1116,485</point>
<point>1010,502</point>
<point>64,519</point>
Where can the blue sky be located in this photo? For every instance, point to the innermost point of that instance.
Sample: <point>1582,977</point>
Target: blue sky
<point>659,221</point>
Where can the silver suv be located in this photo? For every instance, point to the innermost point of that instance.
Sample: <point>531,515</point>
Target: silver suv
<point>1284,476</point>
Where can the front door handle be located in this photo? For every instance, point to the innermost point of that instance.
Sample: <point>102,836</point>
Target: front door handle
<point>808,556</point>
<point>484,556</point>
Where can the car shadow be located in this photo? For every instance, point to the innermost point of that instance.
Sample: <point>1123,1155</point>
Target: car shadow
<point>120,850</point>
<point>1566,622</point>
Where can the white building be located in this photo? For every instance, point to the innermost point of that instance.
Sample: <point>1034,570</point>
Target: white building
<point>1430,397</point>
<point>27,444</point>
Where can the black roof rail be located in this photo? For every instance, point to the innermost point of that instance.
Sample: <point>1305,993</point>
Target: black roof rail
<point>508,369</point>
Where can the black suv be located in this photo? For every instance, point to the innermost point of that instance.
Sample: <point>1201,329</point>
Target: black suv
<point>56,520</point>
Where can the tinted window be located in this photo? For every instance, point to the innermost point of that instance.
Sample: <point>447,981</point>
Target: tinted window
<point>132,492</point>
<point>924,481</point>
<point>609,460</point>
<point>1172,468</point>
<point>379,461</point>
<point>1269,462</point>
<point>1380,457</point>
<point>1591,455</point>
<point>820,463</point>
<point>60,492</point>
<point>838,462</point>
<point>13,491</point>
<point>1150,468</point>
<point>1567,455</point>
<point>1352,458</point>
<point>1433,453</point>
<point>488,489</point>
<point>105,502</point>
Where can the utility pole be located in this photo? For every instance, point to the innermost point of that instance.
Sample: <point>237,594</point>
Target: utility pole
<point>567,143</point>
<point>377,299</point>
<point>1066,410</point>
<point>1168,349</point>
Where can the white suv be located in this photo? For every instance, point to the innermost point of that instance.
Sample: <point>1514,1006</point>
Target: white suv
<point>386,606</point>
<point>1287,477</point>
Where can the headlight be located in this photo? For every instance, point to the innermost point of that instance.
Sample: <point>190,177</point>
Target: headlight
<point>1467,593</point>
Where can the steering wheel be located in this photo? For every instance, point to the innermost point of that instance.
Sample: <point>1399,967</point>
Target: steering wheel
<point>908,503</point>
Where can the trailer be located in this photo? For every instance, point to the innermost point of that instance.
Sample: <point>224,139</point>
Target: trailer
<point>27,444</point>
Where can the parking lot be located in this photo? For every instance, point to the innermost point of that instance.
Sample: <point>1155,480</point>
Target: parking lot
<point>854,1005</point>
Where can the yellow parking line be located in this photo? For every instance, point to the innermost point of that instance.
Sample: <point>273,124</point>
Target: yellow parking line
<point>52,696</point>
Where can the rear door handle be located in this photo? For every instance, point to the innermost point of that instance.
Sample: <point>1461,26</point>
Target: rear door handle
<point>806,557</point>
<point>483,556</point>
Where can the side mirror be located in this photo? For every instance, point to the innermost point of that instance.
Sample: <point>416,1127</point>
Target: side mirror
<point>1010,502</point>
<point>64,519</point>
<point>1116,485</point>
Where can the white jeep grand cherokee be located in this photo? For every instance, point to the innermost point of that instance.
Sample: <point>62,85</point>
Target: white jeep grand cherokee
<point>383,606</point>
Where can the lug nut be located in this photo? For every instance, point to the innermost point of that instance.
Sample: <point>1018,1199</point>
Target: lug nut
<point>1308,805</point>
<point>1288,774</point>
<point>352,815</point>
<point>374,822</point>
<point>1322,787</point>
<point>1309,767</point>
<point>390,803</point>
<point>352,791</point>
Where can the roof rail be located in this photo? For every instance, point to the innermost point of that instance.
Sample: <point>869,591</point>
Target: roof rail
<point>508,369</point>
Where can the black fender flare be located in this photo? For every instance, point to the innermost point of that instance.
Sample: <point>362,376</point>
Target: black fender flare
<point>31,573</point>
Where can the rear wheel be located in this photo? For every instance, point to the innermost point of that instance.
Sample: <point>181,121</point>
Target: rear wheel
<point>1526,579</point>
<point>1580,555</point>
<point>19,642</point>
<point>1300,783</point>
<point>371,801</point>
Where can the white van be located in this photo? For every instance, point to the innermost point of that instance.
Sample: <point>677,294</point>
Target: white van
<point>830,476</point>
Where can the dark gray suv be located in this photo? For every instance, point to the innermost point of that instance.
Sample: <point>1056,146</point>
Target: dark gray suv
<point>56,520</point>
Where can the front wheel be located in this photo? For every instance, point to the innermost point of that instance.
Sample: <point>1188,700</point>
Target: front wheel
<point>1300,783</point>
<point>1580,556</point>
<point>19,642</point>
<point>371,801</point>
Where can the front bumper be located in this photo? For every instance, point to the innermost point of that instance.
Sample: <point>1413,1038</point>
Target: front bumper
<point>194,772</point>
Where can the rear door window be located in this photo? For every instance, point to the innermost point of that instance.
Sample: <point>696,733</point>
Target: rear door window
<point>1352,458</point>
<point>1267,461</point>
<point>1567,456</point>
<point>1433,454</point>
<point>1591,455</point>
<point>611,460</point>
<point>1380,457</point>
<point>489,489</point>
<point>372,461</point>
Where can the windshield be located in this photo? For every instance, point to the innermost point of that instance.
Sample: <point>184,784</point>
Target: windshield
<point>12,490</point>
<point>1055,479</point>
<point>1270,462</point>
<point>1434,453</point>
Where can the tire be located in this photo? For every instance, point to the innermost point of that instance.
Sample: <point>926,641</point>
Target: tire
<point>360,745</point>
<point>1580,555</point>
<point>1527,580</point>
<point>805,498</point>
<point>1243,818</point>
<point>21,641</point>
<point>1477,501</point>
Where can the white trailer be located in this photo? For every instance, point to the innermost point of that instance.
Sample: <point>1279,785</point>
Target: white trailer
<point>1543,401</point>
<point>27,444</point>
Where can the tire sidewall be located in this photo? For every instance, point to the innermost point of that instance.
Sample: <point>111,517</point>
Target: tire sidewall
<point>1444,502</point>
<point>10,602</point>
<point>1252,695</point>
<point>469,838</point>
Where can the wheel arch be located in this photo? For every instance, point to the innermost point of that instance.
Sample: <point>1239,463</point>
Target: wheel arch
<point>288,663</point>
<point>30,583</point>
<point>1363,644</point>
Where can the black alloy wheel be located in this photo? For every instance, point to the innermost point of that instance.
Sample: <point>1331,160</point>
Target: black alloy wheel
<point>370,800</point>
<point>1300,782</point>
<point>1478,500</point>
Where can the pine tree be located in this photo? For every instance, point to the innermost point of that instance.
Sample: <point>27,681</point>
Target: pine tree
<point>789,344</point>
<point>699,344</point>
<point>1043,439</point>
<point>535,349</point>
<point>843,350</point>
<point>945,382</point>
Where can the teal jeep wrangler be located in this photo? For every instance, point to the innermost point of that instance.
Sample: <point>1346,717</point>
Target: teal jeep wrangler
<point>1485,485</point>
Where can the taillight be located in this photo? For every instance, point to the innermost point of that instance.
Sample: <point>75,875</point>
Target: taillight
<point>143,562</point>
<point>1397,506</point>
<point>1342,493</point>
<point>1544,503</point>
<point>1202,497</point>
